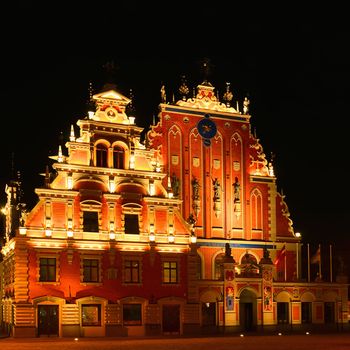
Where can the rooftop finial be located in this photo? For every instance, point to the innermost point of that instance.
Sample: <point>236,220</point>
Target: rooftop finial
<point>72,135</point>
<point>183,89</point>
<point>206,67</point>
<point>228,96</point>
<point>271,170</point>
<point>110,69</point>
<point>246,104</point>
<point>162,94</point>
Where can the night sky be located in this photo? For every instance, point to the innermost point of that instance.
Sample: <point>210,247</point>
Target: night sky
<point>292,63</point>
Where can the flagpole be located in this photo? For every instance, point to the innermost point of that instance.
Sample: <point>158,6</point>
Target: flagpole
<point>285,266</point>
<point>297,256</point>
<point>330,263</point>
<point>308,262</point>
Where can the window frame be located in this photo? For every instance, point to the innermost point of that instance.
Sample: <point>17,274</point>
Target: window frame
<point>131,258</point>
<point>95,224</point>
<point>97,323</point>
<point>47,266</point>
<point>177,269</point>
<point>42,255</point>
<point>101,155</point>
<point>137,322</point>
<point>118,159</point>
<point>131,224</point>
<point>132,209</point>
<point>99,269</point>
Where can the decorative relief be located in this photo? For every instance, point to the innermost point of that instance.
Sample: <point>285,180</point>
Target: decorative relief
<point>216,164</point>
<point>236,166</point>
<point>195,162</point>
<point>174,159</point>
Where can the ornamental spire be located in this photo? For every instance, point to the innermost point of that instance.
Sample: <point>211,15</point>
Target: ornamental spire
<point>206,67</point>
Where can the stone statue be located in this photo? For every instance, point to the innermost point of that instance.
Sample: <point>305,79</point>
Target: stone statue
<point>175,185</point>
<point>217,190</point>
<point>163,94</point>
<point>237,189</point>
<point>227,249</point>
<point>195,189</point>
<point>246,104</point>
<point>191,220</point>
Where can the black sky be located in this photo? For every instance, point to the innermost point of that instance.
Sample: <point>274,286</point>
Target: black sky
<point>292,62</point>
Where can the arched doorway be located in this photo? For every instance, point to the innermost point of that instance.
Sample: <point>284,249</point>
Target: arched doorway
<point>247,310</point>
<point>210,309</point>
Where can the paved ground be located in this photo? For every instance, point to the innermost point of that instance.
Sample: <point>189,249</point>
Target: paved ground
<point>263,342</point>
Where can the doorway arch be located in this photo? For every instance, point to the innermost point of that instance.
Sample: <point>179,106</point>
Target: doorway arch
<point>247,310</point>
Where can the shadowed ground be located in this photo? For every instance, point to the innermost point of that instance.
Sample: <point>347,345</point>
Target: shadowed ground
<point>263,342</point>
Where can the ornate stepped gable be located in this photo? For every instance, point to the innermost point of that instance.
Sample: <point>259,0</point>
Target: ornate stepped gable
<point>84,181</point>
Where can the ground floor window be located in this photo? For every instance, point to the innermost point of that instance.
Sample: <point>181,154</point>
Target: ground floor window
<point>282,313</point>
<point>91,315</point>
<point>132,314</point>
<point>306,312</point>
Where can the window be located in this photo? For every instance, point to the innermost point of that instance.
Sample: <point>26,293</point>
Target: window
<point>91,270</point>
<point>132,315</point>
<point>91,315</point>
<point>170,272</point>
<point>90,221</point>
<point>219,267</point>
<point>256,209</point>
<point>101,155</point>
<point>118,157</point>
<point>132,271</point>
<point>47,270</point>
<point>131,224</point>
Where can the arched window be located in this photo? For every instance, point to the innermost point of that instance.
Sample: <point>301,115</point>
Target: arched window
<point>118,157</point>
<point>249,259</point>
<point>101,155</point>
<point>249,266</point>
<point>219,267</point>
<point>256,209</point>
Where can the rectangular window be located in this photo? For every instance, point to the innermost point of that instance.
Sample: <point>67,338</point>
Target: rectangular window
<point>47,270</point>
<point>91,270</point>
<point>170,272</point>
<point>132,271</point>
<point>90,221</point>
<point>91,315</point>
<point>131,224</point>
<point>132,315</point>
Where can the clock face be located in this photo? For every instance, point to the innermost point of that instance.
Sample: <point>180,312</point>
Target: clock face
<point>206,128</point>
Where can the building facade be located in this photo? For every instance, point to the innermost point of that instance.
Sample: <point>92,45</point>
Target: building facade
<point>182,233</point>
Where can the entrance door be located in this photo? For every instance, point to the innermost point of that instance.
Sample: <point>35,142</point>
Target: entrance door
<point>48,320</point>
<point>246,316</point>
<point>208,314</point>
<point>329,312</point>
<point>171,319</point>
<point>247,310</point>
<point>283,313</point>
